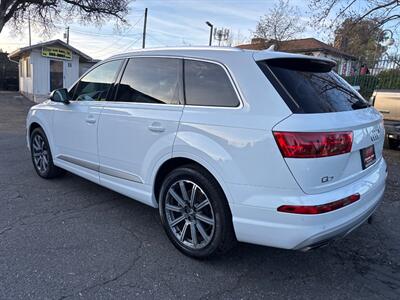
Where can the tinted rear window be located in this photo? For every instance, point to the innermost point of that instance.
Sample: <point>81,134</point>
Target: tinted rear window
<point>309,86</point>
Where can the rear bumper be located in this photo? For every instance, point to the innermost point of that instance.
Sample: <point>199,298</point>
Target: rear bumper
<point>259,222</point>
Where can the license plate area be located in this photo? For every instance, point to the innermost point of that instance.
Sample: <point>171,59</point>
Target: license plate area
<point>368,156</point>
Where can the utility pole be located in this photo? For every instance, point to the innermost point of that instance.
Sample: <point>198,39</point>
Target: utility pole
<point>211,32</point>
<point>144,28</point>
<point>29,28</point>
<point>66,35</point>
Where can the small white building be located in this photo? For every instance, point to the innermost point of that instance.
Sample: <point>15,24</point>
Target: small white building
<point>48,66</point>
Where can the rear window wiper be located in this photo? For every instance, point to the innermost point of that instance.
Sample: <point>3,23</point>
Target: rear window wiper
<point>359,104</point>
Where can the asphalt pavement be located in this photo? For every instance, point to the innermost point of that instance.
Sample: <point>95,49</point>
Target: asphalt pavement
<point>70,238</point>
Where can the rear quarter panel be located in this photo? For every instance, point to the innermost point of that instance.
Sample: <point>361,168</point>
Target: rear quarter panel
<point>238,142</point>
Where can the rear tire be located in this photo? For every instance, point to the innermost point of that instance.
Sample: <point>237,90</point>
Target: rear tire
<point>195,213</point>
<point>41,155</point>
<point>393,143</point>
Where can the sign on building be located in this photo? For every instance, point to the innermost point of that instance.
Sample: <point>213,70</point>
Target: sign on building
<point>55,52</point>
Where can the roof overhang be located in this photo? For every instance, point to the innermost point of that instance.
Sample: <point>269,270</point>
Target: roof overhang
<point>17,54</point>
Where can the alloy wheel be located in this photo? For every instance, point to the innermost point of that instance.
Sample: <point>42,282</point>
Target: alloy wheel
<point>40,153</point>
<point>189,214</point>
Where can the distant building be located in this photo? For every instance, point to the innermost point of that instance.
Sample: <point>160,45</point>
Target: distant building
<point>48,66</point>
<point>8,73</point>
<point>309,46</point>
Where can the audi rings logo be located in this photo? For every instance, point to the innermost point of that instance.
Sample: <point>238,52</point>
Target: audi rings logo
<point>374,134</point>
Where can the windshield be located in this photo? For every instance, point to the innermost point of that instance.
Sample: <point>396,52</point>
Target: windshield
<point>309,86</point>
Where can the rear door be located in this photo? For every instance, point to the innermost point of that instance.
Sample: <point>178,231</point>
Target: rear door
<point>138,127</point>
<point>324,104</point>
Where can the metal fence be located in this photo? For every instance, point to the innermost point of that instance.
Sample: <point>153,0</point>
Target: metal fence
<point>372,75</point>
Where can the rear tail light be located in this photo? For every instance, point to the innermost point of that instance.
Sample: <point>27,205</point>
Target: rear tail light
<point>319,209</point>
<point>313,144</point>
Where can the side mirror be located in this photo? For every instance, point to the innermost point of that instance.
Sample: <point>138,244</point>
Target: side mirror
<point>59,95</point>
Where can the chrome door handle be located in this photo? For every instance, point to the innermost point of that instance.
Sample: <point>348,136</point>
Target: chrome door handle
<point>156,127</point>
<point>90,120</point>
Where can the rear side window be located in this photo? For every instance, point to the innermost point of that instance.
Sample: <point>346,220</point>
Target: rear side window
<point>309,86</point>
<point>208,84</point>
<point>151,80</point>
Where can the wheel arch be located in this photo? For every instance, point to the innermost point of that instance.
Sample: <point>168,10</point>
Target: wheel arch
<point>175,162</point>
<point>32,125</point>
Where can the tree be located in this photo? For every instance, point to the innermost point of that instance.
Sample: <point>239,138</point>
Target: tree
<point>384,12</point>
<point>360,38</point>
<point>281,23</point>
<point>45,12</point>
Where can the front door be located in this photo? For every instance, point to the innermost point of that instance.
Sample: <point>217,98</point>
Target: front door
<point>138,127</point>
<point>75,124</point>
<point>56,74</point>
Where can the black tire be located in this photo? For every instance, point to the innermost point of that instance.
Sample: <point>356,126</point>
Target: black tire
<point>393,143</point>
<point>222,237</point>
<point>48,170</point>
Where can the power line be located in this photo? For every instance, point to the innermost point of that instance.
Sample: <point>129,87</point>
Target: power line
<point>131,44</point>
<point>156,40</point>
<point>117,41</point>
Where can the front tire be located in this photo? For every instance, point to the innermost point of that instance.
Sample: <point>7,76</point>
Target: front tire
<point>41,155</point>
<point>195,213</point>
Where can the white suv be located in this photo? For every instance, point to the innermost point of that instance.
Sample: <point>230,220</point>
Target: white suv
<point>232,145</point>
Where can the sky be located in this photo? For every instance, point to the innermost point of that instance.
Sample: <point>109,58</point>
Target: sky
<point>170,23</point>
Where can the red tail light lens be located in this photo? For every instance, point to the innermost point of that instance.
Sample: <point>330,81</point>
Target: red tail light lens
<point>313,144</point>
<point>318,209</point>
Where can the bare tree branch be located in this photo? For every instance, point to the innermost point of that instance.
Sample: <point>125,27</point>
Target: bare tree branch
<point>333,12</point>
<point>45,12</point>
<point>282,22</point>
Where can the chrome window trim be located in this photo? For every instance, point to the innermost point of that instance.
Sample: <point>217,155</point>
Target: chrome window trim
<point>226,69</point>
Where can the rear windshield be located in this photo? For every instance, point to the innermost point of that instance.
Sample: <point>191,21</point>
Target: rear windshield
<point>310,86</point>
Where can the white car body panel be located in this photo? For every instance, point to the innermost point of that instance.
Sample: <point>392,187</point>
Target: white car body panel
<point>123,145</point>
<point>132,137</point>
<point>341,169</point>
<point>75,135</point>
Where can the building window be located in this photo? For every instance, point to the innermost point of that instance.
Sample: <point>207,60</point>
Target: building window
<point>28,67</point>
<point>21,68</point>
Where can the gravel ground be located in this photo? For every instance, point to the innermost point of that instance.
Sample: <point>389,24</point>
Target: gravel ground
<point>69,238</point>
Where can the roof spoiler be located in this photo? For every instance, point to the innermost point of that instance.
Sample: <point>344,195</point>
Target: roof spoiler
<point>267,55</point>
